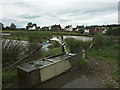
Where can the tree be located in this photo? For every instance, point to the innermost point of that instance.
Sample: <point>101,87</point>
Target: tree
<point>29,24</point>
<point>26,27</point>
<point>7,28</point>
<point>38,28</point>
<point>35,25</point>
<point>12,26</point>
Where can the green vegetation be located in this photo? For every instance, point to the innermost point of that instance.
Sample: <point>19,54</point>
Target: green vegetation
<point>115,31</point>
<point>71,33</point>
<point>9,78</point>
<point>110,85</point>
<point>103,48</point>
<point>55,51</point>
<point>77,45</point>
<point>99,40</point>
<point>32,36</point>
<point>11,51</point>
<point>83,61</point>
<point>109,54</point>
<point>29,35</point>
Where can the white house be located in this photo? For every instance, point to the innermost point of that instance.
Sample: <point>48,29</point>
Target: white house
<point>32,27</point>
<point>68,28</point>
<point>86,31</point>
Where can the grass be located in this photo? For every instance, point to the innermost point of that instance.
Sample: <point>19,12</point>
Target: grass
<point>11,51</point>
<point>83,61</point>
<point>32,36</point>
<point>9,78</point>
<point>23,35</point>
<point>109,54</point>
<point>77,45</point>
<point>55,51</point>
<point>110,85</point>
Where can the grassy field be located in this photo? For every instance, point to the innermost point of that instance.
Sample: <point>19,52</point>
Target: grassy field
<point>24,35</point>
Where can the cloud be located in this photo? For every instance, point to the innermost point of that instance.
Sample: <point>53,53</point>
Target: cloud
<point>64,12</point>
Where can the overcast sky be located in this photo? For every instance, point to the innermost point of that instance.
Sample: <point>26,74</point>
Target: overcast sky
<point>63,12</point>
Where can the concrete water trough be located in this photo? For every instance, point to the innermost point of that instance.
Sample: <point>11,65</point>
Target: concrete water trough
<point>36,72</point>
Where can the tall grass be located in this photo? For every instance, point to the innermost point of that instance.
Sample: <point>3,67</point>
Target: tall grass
<point>11,51</point>
<point>37,37</point>
<point>77,45</point>
<point>32,36</point>
<point>99,40</point>
<point>37,55</point>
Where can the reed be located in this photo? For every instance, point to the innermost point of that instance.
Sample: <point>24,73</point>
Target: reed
<point>77,44</point>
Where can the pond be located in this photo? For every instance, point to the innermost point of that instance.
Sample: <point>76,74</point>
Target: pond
<point>83,38</point>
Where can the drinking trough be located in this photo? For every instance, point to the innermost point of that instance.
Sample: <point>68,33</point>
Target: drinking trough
<point>36,72</point>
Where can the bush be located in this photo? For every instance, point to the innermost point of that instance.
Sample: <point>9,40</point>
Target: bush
<point>55,44</point>
<point>37,55</point>
<point>77,44</point>
<point>109,40</point>
<point>99,40</point>
<point>37,37</point>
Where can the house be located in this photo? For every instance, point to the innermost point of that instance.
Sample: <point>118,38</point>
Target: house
<point>86,30</point>
<point>56,28</point>
<point>33,27</point>
<point>68,28</point>
<point>93,30</point>
<point>45,28</point>
<point>79,29</point>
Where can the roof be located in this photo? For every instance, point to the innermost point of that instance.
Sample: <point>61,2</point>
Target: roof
<point>56,25</point>
<point>68,26</point>
<point>45,27</point>
<point>79,26</point>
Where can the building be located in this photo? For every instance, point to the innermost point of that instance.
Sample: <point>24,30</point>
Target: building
<point>86,31</point>
<point>93,30</point>
<point>33,27</point>
<point>56,28</point>
<point>68,28</point>
<point>79,29</point>
<point>45,28</point>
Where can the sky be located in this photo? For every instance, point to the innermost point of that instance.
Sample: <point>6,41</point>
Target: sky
<point>63,12</point>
